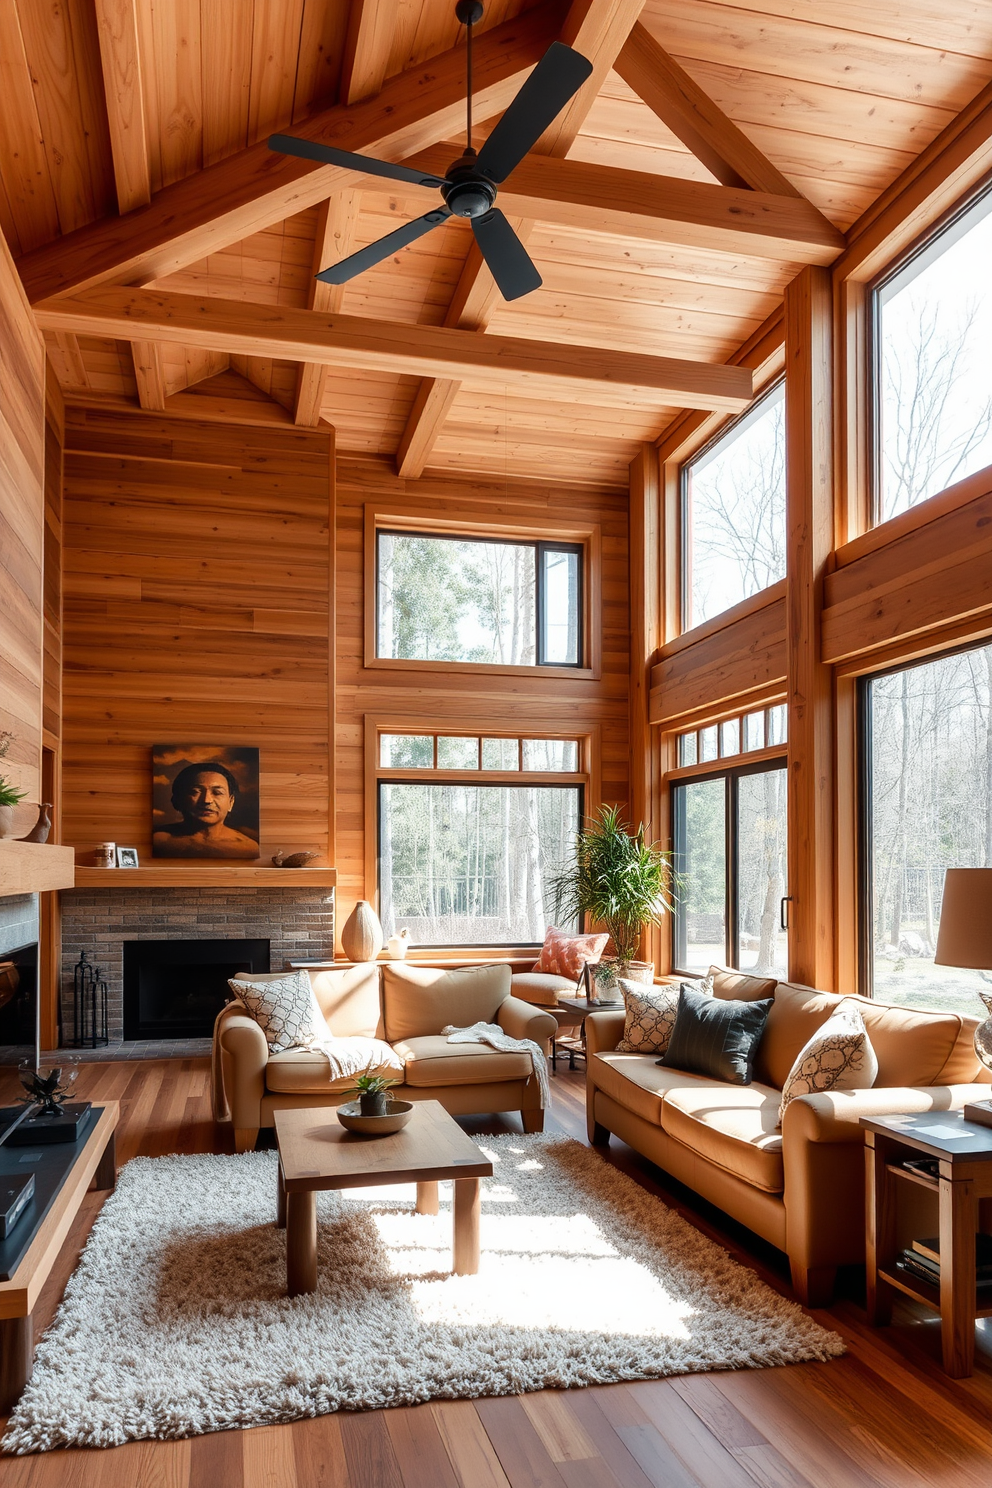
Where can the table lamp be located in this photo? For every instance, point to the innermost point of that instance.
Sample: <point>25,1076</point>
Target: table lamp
<point>965,939</point>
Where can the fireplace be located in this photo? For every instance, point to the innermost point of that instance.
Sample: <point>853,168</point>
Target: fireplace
<point>174,989</point>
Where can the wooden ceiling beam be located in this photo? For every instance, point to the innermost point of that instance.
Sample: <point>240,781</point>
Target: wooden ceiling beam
<point>592,373</point>
<point>660,209</point>
<point>691,114</point>
<point>255,188</point>
<point>363,72</point>
<point>597,29</point>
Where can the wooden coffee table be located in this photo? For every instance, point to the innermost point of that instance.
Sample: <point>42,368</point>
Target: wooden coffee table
<point>316,1153</point>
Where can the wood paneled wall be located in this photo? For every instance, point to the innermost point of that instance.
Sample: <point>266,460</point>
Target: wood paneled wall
<point>738,658</point>
<point>442,697</point>
<point>22,412</point>
<point>197,571</point>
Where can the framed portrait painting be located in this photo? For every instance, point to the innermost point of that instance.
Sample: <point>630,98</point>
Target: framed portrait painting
<point>204,801</point>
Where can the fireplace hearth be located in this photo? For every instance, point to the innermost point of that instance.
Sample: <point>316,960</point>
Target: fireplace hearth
<point>174,989</point>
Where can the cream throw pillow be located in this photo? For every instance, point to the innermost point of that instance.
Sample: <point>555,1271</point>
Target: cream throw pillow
<point>650,1014</point>
<point>284,1008</point>
<point>839,1056</point>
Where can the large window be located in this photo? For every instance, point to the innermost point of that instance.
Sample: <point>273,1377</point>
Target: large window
<point>934,375</point>
<point>487,602</point>
<point>733,513</point>
<point>730,847</point>
<point>927,799</point>
<point>465,859</point>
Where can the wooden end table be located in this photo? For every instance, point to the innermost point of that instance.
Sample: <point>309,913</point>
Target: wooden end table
<point>964,1152</point>
<point>572,1012</point>
<point>316,1153</point>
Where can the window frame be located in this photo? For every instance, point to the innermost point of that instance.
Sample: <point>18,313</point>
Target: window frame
<point>586,778</point>
<point>772,759</point>
<point>420,522</point>
<point>750,414</point>
<point>923,250</point>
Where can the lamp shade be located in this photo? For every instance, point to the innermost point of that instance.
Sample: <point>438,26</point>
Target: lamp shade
<point>965,934</point>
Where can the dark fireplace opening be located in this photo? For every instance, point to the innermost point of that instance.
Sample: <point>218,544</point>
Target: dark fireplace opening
<point>18,994</point>
<point>174,989</point>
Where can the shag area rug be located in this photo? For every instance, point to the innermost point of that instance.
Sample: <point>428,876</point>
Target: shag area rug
<point>176,1320</point>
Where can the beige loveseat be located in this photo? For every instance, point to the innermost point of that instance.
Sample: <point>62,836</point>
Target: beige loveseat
<point>801,1188</point>
<point>407,1006</point>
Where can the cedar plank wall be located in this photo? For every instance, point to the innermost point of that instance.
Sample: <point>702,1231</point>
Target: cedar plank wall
<point>22,412</point>
<point>459,699</point>
<point>196,610</point>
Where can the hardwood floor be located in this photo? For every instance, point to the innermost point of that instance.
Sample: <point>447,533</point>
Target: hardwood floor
<point>883,1415</point>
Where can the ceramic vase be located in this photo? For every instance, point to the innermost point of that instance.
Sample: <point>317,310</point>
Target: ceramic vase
<point>397,945</point>
<point>6,821</point>
<point>605,975</point>
<point>43,826</point>
<point>361,934</point>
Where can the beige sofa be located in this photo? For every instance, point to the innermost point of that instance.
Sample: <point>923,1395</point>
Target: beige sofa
<point>801,1188</point>
<point>405,1005</point>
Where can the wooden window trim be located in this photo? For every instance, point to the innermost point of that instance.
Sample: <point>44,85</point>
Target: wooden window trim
<point>379,517</point>
<point>588,776</point>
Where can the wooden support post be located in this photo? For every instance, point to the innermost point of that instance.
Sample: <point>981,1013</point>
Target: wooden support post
<point>809,523</point>
<point>645,638</point>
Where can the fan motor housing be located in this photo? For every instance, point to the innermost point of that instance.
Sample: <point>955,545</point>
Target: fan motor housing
<point>467,192</point>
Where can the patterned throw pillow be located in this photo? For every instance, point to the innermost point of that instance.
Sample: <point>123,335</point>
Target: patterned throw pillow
<point>285,1009</point>
<point>839,1056</point>
<point>650,1017</point>
<point>566,955</point>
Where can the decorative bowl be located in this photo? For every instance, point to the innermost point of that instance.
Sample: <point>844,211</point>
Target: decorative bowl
<point>398,1113</point>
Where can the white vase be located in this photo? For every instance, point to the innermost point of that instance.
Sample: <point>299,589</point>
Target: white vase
<point>6,821</point>
<point>361,933</point>
<point>397,945</point>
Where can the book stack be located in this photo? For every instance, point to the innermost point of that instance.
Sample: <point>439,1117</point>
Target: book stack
<point>921,1262</point>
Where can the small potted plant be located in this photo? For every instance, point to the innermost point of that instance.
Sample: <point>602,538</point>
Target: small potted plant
<point>373,1094</point>
<point>9,794</point>
<point>622,882</point>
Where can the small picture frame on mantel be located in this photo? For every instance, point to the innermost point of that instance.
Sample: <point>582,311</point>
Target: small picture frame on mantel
<point>127,857</point>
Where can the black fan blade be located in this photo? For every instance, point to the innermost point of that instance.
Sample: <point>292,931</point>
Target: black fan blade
<point>556,78</point>
<point>367,258</point>
<point>508,260</point>
<point>286,144</point>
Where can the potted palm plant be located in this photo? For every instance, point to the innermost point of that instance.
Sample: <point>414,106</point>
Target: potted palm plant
<point>622,882</point>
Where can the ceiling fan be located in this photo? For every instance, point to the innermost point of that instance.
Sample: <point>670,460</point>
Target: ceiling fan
<point>470,183</point>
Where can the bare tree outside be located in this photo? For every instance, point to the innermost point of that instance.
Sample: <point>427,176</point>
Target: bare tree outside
<point>735,542</point>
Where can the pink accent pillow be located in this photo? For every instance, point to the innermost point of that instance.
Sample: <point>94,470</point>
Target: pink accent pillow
<point>565,955</point>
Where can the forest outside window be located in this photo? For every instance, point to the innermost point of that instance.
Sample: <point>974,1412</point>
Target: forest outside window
<point>933,375</point>
<point>733,513</point>
<point>927,806</point>
<point>730,848</point>
<point>466,858</point>
<point>481,601</point>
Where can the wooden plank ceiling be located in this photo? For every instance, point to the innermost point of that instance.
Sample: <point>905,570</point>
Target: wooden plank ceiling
<point>105,103</point>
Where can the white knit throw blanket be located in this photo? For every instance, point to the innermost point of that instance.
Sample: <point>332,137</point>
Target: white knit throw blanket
<point>492,1034</point>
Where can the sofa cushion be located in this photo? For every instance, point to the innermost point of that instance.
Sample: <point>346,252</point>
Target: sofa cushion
<point>739,986</point>
<point>637,1082</point>
<point>717,1037</point>
<point>420,1000</point>
<point>913,1046</point>
<point>283,1006</point>
<point>541,988</point>
<point>430,1060</point>
<point>349,997</point>
<point>308,1071</point>
<point>732,1126</point>
<point>839,1056</point>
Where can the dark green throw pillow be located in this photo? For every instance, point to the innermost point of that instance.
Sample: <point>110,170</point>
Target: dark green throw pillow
<point>716,1037</point>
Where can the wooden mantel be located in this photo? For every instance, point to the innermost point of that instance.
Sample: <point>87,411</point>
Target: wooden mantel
<point>220,876</point>
<point>34,867</point>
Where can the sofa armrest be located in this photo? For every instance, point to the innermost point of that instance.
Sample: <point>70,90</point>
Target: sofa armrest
<point>523,1020</point>
<point>243,1055</point>
<point>835,1116</point>
<point>604,1030</point>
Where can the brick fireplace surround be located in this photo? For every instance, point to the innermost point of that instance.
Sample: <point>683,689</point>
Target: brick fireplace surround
<point>299,923</point>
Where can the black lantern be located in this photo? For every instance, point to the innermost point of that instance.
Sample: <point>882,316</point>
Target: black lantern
<point>89,1006</point>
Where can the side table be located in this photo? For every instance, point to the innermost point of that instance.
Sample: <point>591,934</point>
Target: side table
<point>963,1151</point>
<point>572,1012</point>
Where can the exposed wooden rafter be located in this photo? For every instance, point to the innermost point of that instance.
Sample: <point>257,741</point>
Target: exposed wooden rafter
<point>255,188</point>
<point>597,29</point>
<point>238,327</point>
<point>691,114</point>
